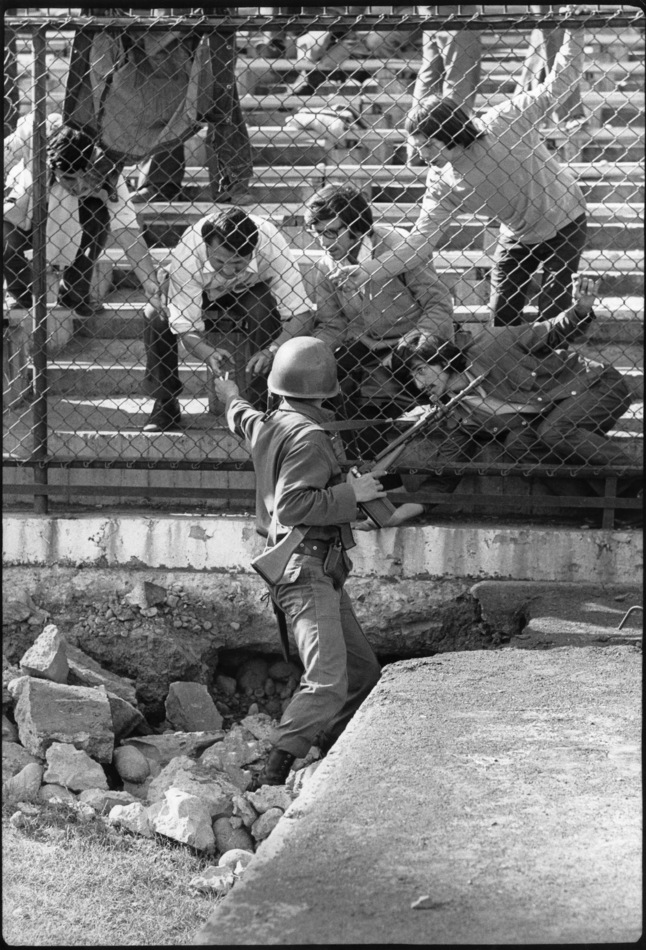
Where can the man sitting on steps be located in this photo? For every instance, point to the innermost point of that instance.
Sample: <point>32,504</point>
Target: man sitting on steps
<point>230,270</point>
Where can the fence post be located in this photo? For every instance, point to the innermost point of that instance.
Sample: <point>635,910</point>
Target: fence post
<point>39,269</point>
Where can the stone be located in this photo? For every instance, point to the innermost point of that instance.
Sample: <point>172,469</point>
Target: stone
<point>299,779</point>
<point>251,675</point>
<point>228,837</point>
<point>24,785</point>
<point>226,685</point>
<point>210,786</point>
<point>14,611</point>
<point>73,768</point>
<point>50,712</point>
<point>131,764</point>
<point>84,671</point>
<point>9,730</point>
<point>47,657</point>
<point>125,718</point>
<point>281,671</point>
<point>244,810</point>
<point>145,594</point>
<point>14,758</point>
<point>264,825</point>
<point>189,707</point>
<point>9,673</point>
<point>162,749</point>
<point>237,859</point>
<point>270,796</point>
<point>240,748</point>
<point>184,817</point>
<point>56,793</point>
<point>138,791</point>
<point>133,817</point>
<point>218,880</point>
<point>16,685</point>
<point>211,758</point>
<point>261,726</point>
<point>103,800</point>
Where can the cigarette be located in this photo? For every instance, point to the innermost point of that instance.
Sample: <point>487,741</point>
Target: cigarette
<point>226,375</point>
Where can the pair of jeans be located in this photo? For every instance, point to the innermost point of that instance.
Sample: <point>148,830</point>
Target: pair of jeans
<point>228,149</point>
<point>340,667</point>
<point>94,219</point>
<point>516,263</point>
<point>253,311</point>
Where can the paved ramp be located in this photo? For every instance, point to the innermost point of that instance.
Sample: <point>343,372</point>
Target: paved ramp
<point>476,798</point>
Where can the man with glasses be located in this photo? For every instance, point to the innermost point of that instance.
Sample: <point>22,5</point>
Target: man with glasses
<point>87,199</point>
<point>363,330</point>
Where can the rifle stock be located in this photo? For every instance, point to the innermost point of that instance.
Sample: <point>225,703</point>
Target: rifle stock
<point>272,562</point>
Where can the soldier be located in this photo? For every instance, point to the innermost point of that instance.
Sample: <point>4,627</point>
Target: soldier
<point>304,503</point>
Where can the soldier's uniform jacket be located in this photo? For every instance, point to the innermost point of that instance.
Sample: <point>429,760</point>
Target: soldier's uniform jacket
<point>297,472</point>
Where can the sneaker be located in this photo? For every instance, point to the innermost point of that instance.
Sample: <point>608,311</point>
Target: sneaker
<point>165,417</point>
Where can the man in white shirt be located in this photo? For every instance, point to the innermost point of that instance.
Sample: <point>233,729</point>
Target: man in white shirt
<point>87,199</point>
<point>229,266</point>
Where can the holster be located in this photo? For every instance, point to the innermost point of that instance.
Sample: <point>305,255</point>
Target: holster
<point>337,565</point>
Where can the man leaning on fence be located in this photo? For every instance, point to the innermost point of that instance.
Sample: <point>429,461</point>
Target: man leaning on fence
<point>87,199</point>
<point>230,273</point>
<point>363,330</point>
<point>498,165</point>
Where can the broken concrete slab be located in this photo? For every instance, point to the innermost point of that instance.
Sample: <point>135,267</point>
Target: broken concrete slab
<point>47,657</point>
<point>541,614</point>
<point>190,708</point>
<point>73,768</point>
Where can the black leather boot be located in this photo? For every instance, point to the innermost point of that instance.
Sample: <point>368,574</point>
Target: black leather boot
<point>275,771</point>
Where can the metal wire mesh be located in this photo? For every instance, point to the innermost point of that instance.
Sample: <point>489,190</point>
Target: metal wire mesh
<point>185,191</point>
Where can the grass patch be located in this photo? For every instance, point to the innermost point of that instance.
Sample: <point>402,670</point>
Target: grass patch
<point>69,882</point>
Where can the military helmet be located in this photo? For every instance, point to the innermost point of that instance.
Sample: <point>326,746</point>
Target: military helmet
<point>304,368</point>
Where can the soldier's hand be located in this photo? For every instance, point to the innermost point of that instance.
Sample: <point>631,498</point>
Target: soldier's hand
<point>367,487</point>
<point>585,291</point>
<point>348,278</point>
<point>260,362</point>
<point>224,389</point>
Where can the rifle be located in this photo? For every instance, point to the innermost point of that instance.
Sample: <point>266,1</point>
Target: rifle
<point>381,509</point>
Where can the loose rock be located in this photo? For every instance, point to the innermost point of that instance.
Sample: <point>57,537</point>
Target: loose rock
<point>48,712</point>
<point>190,707</point>
<point>73,768</point>
<point>25,784</point>
<point>104,800</point>
<point>270,796</point>
<point>264,825</point>
<point>218,880</point>
<point>131,764</point>
<point>14,758</point>
<point>132,817</point>
<point>47,657</point>
<point>184,818</point>
<point>237,859</point>
<point>56,793</point>
<point>227,837</point>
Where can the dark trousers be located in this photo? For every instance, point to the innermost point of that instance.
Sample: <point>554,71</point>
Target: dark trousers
<point>228,150</point>
<point>515,265</point>
<point>573,431</point>
<point>94,219</point>
<point>253,312</point>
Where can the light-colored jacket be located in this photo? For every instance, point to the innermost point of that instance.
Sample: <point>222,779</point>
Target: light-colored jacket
<point>509,174</point>
<point>416,299</point>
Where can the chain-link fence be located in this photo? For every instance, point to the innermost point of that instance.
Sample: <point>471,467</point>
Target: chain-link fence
<point>439,193</point>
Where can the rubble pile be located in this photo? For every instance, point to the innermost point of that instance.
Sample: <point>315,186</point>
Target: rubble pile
<point>73,733</point>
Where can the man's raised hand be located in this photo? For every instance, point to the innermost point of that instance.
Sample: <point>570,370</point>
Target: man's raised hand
<point>585,291</point>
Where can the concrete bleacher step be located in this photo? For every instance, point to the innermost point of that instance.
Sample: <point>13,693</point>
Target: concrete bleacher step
<point>618,225</point>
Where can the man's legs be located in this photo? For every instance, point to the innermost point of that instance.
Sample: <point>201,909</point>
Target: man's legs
<point>228,149</point>
<point>514,265</point>
<point>74,288</point>
<point>574,429</point>
<point>17,272</point>
<point>162,175</point>
<point>560,258</point>
<point>162,371</point>
<point>340,668</point>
